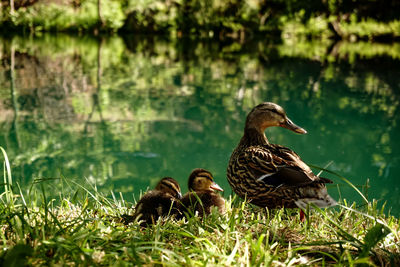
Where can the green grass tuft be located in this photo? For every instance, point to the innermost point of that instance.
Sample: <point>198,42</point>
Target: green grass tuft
<point>83,227</point>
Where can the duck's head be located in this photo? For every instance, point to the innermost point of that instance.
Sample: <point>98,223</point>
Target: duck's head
<point>170,186</point>
<point>202,180</point>
<point>269,114</point>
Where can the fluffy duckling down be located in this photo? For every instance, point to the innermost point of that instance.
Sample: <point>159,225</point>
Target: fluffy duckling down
<point>160,202</point>
<point>202,196</point>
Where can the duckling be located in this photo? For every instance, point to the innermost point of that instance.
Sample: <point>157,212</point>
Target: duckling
<point>271,175</point>
<point>161,201</point>
<point>201,197</point>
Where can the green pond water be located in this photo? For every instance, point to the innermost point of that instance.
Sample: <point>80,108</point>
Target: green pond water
<point>122,112</point>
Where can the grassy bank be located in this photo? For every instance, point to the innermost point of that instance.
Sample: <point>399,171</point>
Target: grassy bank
<point>81,226</point>
<point>211,19</point>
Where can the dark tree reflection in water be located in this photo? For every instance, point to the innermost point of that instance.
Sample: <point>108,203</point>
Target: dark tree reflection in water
<point>123,112</point>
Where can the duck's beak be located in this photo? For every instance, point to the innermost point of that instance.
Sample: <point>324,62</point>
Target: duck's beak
<point>288,124</point>
<point>216,187</point>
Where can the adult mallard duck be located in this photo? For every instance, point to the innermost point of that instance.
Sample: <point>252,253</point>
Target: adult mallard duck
<point>271,175</point>
<point>161,201</point>
<point>202,197</point>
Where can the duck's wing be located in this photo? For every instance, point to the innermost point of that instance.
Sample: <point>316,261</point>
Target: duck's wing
<point>278,166</point>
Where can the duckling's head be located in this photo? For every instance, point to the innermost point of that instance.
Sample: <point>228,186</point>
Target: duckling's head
<point>170,186</point>
<point>202,180</point>
<point>269,114</point>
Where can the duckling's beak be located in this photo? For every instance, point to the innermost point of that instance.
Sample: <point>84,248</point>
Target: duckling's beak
<point>216,187</point>
<point>178,195</point>
<point>288,124</point>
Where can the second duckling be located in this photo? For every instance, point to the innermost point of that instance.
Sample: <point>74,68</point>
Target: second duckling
<point>202,197</point>
<point>161,201</point>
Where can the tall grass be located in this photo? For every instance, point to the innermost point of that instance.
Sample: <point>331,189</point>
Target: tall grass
<point>83,227</point>
<point>7,177</point>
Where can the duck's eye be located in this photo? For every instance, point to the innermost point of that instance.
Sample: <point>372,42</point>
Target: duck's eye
<point>200,182</point>
<point>278,112</point>
<point>273,110</point>
<point>168,186</point>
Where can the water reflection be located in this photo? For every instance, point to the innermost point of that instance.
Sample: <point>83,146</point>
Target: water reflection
<point>123,112</point>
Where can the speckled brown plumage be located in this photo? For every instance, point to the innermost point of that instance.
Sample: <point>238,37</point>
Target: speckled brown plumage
<point>162,201</point>
<point>270,175</point>
<point>201,198</point>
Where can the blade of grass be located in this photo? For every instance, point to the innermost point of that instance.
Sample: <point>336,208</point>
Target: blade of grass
<point>345,234</point>
<point>381,222</point>
<point>343,178</point>
<point>326,166</point>
<point>7,177</point>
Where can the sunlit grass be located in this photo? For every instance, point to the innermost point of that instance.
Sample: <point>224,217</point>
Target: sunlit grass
<point>60,17</point>
<point>84,227</point>
<point>370,28</point>
<point>348,51</point>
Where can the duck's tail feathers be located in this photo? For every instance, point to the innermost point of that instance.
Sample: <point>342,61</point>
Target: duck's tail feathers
<point>316,194</point>
<point>325,202</point>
